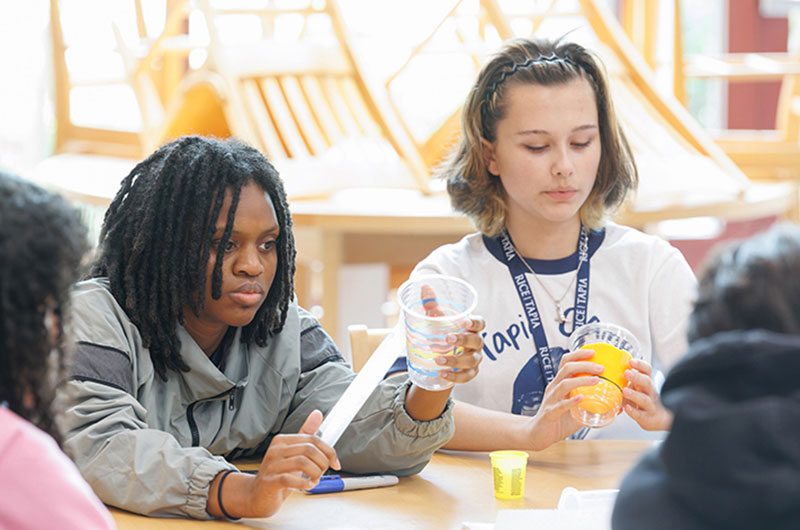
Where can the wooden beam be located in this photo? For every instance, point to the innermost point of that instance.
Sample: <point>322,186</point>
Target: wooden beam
<point>609,32</point>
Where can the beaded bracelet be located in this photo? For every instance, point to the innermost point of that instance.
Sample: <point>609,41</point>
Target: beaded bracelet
<point>219,495</point>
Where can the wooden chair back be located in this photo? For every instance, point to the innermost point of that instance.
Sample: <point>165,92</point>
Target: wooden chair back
<point>363,342</point>
<point>302,102</point>
<point>139,73</point>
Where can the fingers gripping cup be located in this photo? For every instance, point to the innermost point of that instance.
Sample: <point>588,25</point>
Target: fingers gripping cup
<point>613,346</point>
<point>508,473</point>
<point>433,307</point>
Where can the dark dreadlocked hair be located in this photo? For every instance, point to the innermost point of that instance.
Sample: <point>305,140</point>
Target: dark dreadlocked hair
<point>156,240</point>
<point>42,241</point>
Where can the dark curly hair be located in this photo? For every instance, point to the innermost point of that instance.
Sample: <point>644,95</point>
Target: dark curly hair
<point>751,284</point>
<point>479,194</point>
<point>156,240</point>
<point>42,241</point>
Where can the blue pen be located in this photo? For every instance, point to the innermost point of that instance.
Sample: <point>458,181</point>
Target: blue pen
<point>333,483</point>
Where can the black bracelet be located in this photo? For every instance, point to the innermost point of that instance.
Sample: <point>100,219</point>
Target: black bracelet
<point>219,495</point>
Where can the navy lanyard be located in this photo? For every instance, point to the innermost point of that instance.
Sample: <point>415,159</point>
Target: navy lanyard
<point>517,269</point>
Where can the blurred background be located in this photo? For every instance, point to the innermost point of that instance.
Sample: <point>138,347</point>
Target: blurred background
<point>356,101</point>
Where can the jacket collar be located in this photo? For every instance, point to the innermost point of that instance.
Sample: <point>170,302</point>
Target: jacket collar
<point>204,380</point>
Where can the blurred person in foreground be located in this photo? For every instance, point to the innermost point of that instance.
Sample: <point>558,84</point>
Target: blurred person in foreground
<point>41,244</point>
<point>732,459</point>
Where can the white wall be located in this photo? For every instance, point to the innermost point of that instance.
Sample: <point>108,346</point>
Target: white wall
<point>25,104</point>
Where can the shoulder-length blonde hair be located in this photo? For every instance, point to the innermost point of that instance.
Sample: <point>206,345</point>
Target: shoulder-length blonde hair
<point>479,194</point>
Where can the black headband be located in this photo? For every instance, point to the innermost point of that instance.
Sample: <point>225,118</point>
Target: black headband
<point>516,67</point>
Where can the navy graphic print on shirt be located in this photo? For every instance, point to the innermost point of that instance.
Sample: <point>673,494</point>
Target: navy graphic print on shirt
<point>528,389</point>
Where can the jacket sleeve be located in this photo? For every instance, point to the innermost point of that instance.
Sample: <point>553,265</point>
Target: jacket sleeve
<point>382,437</point>
<point>129,464</point>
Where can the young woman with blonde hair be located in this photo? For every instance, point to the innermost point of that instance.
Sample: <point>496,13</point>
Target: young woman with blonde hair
<point>541,166</point>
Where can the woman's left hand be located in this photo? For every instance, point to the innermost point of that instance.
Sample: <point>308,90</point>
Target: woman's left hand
<point>463,366</point>
<point>642,402</point>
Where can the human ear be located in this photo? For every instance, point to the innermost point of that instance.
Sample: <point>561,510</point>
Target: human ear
<point>489,157</point>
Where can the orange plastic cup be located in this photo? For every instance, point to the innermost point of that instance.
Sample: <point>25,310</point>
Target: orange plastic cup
<point>614,347</point>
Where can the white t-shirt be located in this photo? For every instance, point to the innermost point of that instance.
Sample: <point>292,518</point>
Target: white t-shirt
<point>636,280</point>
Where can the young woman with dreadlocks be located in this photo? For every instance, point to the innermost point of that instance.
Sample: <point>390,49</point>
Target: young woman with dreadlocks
<point>191,350</point>
<point>42,242</point>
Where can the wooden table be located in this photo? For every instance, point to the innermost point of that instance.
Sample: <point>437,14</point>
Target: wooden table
<point>454,487</point>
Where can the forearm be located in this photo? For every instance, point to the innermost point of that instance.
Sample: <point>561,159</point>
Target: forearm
<point>426,405</point>
<point>122,459</point>
<point>182,474</point>
<point>232,495</point>
<point>237,497</point>
<point>383,437</point>
<point>480,429</point>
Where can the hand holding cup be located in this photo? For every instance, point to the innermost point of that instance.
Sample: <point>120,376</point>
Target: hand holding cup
<point>614,348</point>
<point>442,337</point>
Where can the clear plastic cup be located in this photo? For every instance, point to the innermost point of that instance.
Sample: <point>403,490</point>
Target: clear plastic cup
<point>508,474</point>
<point>433,307</point>
<point>613,346</point>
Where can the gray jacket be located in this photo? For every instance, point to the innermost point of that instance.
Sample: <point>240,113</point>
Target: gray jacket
<point>153,446</point>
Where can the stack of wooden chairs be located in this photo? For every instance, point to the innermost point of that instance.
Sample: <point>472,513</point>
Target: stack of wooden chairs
<point>304,102</point>
<point>308,104</point>
<point>683,172</point>
<point>307,101</point>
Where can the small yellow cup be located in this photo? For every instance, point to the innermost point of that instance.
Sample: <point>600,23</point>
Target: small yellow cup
<point>508,473</point>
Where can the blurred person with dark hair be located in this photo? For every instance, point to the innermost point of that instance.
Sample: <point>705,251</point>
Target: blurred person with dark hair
<point>41,244</point>
<point>732,459</point>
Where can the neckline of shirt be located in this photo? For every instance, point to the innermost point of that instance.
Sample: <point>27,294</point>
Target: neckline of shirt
<point>545,266</point>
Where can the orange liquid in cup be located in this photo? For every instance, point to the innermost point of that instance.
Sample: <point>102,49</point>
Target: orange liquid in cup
<point>603,401</point>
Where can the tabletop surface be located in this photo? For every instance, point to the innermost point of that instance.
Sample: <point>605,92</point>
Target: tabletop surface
<point>454,487</point>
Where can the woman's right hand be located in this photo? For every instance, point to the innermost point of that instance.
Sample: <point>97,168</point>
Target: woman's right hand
<point>293,461</point>
<point>552,421</point>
